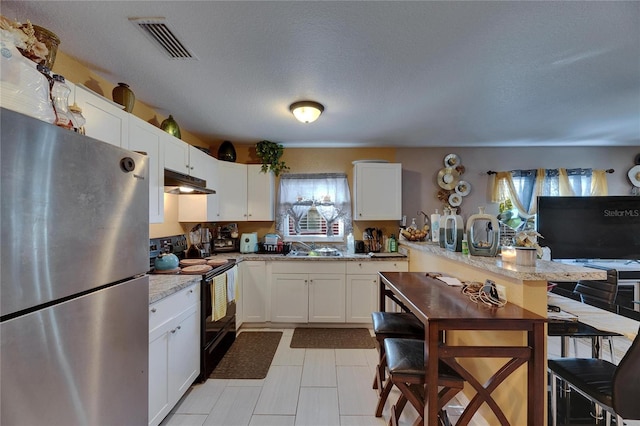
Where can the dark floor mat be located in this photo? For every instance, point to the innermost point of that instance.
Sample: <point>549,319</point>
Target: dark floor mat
<point>249,357</point>
<point>332,338</point>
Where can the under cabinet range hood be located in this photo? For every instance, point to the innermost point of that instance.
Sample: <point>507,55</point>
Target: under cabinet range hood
<point>178,183</point>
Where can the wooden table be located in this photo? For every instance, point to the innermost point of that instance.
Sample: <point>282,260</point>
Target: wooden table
<point>443,308</point>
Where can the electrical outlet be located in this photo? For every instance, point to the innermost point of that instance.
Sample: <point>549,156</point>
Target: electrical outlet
<point>502,292</point>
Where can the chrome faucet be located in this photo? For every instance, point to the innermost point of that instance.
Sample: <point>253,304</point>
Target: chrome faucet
<point>304,245</point>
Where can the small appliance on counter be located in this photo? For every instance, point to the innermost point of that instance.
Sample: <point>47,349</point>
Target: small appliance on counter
<point>249,242</point>
<point>273,244</point>
<point>226,239</point>
<point>200,246</point>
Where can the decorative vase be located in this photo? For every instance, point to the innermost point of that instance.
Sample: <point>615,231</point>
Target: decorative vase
<point>170,126</point>
<point>51,41</point>
<point>526,256</point>
<point>124,96</point>
<point>227,152</point>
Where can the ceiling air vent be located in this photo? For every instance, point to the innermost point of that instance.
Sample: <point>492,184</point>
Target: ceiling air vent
<point>160,32</point>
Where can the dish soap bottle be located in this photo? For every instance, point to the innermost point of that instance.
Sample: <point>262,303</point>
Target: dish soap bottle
<point>351,244</point>
<point>393,244</point>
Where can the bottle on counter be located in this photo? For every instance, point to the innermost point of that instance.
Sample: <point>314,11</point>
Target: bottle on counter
<point>393,244</point>
<point>435,227</point>
<point>351,244</point>
<point>465,245</point>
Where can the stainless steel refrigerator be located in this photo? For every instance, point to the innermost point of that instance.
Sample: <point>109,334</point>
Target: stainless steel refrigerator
<point>74,297</point>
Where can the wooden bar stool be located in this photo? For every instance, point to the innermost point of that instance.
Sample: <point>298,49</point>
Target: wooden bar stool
<point>405,363</point>
<point>392,324</point>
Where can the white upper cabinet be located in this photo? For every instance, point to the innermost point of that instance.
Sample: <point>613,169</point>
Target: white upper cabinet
<point>243,193</point>
<point>176,154</point>
<point>377,191</point>
<point>144,137</point>
<point>232,191</point>
<point>200,207</point>
<point>184,158</point>
<point>199,166</point>
<point>106,120</point>
<point>260,194</point>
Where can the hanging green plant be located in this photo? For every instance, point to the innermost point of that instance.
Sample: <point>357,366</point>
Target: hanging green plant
<point>269,154</point>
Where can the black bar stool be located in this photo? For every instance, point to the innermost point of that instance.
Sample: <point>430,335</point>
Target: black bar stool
<point>392,324</point>
<point>405,363</point>
<point>614,388</point>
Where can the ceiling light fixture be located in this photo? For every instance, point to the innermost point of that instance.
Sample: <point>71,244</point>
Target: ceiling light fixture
<point>306,111</point>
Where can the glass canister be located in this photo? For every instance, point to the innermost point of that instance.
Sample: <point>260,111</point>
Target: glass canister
<point>441,222</point>
<point>483,234</point>
<point>453,231</point>
<point>60,98</point>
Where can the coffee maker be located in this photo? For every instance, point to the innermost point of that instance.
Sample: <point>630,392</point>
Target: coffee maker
<point>226,239</point>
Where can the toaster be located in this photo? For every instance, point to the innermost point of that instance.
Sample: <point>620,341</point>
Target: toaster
<point>249,242</point>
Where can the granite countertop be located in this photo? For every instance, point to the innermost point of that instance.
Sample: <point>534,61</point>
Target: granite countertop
<point>358,257</point>
<point>544,270</point>
<point>161,286</point>
<point>596,317</point>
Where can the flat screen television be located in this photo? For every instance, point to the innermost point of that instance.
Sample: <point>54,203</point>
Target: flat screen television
<point>590,227</point>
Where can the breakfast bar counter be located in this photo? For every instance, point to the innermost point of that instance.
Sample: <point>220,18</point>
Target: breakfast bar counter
<point>442,309</point>
<point>525,286</point>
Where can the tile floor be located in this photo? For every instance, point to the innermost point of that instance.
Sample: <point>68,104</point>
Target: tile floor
<point>304,387</point>
<point>321,387</point>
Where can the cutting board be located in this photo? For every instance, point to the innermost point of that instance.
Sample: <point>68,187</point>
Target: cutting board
<point>196,269</point>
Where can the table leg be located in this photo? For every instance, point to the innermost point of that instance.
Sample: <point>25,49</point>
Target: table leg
<point>536,392</point>
<point>431,343</point>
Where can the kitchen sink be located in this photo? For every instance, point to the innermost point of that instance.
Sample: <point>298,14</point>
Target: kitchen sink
<point>306,254</point>
<point>297,254</point>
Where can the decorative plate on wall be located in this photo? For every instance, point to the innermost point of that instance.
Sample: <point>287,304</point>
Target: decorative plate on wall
<point>455,199</point>
<point>448,178</point>
<point>463,188</point>
<point>634,175</point>
<point>451,160</point>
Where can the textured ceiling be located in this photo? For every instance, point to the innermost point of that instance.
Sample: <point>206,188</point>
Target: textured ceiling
<point>397,73</point>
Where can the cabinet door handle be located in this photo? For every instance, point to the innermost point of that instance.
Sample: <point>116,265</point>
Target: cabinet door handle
<point>179,327</point>
<point>153,310</point>
<point>173,331</point>
<point>191,291</point>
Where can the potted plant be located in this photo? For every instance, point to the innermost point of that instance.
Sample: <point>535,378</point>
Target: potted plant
<point>269,154</point>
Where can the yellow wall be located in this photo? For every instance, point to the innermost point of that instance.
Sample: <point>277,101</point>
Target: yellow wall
<point>300,160</point>
<point>307,160</point>
<point>76,72</point>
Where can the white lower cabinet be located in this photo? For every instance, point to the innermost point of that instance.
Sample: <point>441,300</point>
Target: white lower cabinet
<point>289,297</point>
<point>254,291</point>
<point>362,287</point>
<point>326,298</point>
<point>308,291</point>
<point>174,350</point>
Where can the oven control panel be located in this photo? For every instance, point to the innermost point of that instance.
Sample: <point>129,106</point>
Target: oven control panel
<point>175,244</point>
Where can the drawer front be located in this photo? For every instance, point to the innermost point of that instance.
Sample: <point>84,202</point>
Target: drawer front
<point>373,267</point>
<point>310,267</point>
<point>171,306</point>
